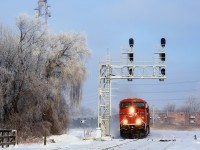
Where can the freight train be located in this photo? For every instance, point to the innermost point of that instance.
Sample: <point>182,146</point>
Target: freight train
<point>134,118</point>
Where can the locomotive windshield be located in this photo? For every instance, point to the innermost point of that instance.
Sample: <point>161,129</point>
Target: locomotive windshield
<point>136,104</point>
<point>139,104</point>
<point>125,104</point>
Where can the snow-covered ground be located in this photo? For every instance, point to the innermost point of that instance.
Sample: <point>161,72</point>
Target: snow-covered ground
<point>157,140</point>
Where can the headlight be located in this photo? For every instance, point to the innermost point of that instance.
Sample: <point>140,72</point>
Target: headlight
<point>138,121</point>
<point>132,110</point>
<point>125,121</point>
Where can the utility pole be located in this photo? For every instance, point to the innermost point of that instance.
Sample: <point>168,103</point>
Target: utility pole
<point>153,117</point>
<point>127,69</point>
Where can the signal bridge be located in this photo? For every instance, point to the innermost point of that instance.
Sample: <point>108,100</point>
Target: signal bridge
<point>128,69</point>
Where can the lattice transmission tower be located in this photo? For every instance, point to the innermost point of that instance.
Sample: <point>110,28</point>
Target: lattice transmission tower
<point>42,11</point>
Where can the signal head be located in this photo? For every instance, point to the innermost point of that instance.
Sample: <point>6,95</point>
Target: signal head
<point>162,56</point>
<point>163,42</point>
<point>162,71</point>
<point>131,42</point>
<point>130,56</point>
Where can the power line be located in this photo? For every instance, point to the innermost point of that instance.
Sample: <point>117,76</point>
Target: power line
<point>176,91</point>
<point>164,83</point>
<point>183,82</point>
<point>171,99</point>
<point>180,82</point>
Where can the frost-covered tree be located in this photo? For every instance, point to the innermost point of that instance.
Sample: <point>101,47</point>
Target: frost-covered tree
<point>41,77</point>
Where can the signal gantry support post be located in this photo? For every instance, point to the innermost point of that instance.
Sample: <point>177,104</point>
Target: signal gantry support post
<point>104,97</point>
<point>126,69</point>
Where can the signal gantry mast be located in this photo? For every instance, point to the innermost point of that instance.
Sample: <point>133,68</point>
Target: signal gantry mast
<point>128,69</point>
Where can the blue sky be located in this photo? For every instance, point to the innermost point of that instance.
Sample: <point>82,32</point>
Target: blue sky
<point>108,24</point>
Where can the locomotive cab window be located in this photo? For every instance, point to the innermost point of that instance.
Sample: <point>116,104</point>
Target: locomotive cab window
<point>125,104</point>
<point>139,104</point>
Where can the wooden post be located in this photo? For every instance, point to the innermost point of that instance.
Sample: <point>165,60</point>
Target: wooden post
<point>2,139</point>
<point>45,137</point>
<point>16,140</point>
<point>8,139</point>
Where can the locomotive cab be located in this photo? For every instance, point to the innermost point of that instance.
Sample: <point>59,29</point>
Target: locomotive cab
<point>134,118</point>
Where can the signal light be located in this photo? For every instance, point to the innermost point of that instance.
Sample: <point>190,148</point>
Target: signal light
<point>130,56</point>
<point>162,71</point>
<point>163,42</point>
<point>130,71</point>
<point>162,56</point>
<point>131,42</point>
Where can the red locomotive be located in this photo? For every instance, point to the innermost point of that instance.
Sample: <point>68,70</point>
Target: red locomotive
<point>134,118</point>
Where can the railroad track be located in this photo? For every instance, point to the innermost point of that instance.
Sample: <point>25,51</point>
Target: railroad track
<point>137,144</point>
<point>113,144</point>
<point>125,141</point>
